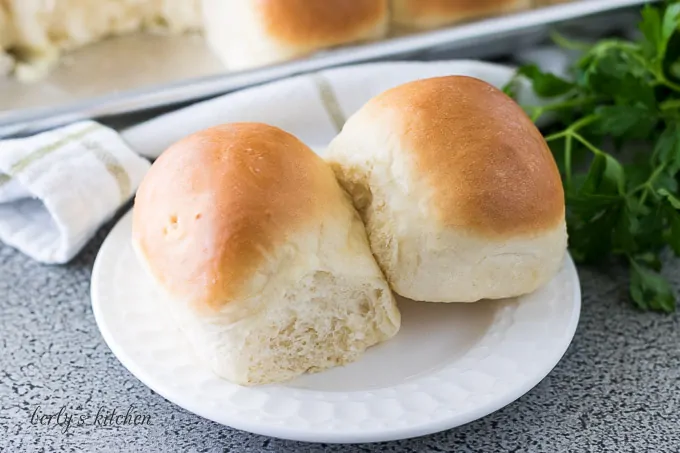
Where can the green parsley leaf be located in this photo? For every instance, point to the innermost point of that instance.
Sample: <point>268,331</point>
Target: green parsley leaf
<point>638,173</point>
<point>595,175</point>
<point>605,175</point>
<point>672,235</point>
<point>650,235</point>
<point>624,92</point>
<point>545,84</point>
<point>626,121</point>
<point>671,63</point>
<point>664,149</point>
<point>669,27</point>
<point>510,88</point>
<point>650,26</point>
<point>591,240</point>
<point>649,290</point>
<point>664,181</point>
<point>667,149</point>
<point>614,175</point>
<point>616,72</point>
<point>651,260</point>
<point>625,230</point>
<point>670,197</point>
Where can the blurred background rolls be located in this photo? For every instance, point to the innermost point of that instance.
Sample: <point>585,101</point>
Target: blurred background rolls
<point>248,34</point>
<point>428,14</point>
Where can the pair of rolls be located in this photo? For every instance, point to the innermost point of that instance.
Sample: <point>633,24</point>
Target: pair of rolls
<point>278,262</point>
<point>249,34</point>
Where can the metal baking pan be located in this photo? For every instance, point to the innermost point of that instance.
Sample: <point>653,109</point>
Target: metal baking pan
<point>139,72</point>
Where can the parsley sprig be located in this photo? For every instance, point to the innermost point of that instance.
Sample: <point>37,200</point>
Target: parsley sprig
<point>623,95</point>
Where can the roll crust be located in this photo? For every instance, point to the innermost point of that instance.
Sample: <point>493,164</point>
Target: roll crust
<point>488,167</point>
<point>435,13</point>
<point>323,22</point>
<point>215,205</point>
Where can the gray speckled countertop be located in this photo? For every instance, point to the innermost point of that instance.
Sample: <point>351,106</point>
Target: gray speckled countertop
<point>617,389</point>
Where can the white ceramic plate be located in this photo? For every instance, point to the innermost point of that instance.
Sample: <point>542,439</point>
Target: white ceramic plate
<point>449,364</point>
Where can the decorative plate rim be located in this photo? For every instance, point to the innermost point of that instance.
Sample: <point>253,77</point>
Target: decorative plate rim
<point>108,255</point>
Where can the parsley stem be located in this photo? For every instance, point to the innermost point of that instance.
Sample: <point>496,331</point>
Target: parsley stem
<point>643,198</point>
<point>573,128</point>
<point>648,186</point>
<point>540,110</point>
<point>557,135</point>
<point>586,143</point>
<point>567,160</point>
<point>633,50</point>
<point>670,104</point>
<point>656,173</point>
<point>568,43</point>
<point>637,189</point>
<point>583,122</point>
<point>664,81</point>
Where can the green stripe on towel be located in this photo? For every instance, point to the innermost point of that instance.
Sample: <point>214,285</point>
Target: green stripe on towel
<point>114,168</point>
<point>47,149</point>
<point>329,100</point>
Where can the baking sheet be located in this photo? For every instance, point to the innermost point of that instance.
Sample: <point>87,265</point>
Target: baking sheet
<point>138,72</point>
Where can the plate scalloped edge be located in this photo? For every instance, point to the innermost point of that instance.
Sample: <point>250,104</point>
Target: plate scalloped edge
<point>519,349</point>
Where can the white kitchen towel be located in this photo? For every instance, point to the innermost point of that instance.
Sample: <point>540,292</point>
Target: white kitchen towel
<point>312,107</point>
<point>58,187</point>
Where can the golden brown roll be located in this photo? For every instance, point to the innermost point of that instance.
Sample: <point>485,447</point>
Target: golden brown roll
<point>457,188</point>
<point>248,34</point>
<point>426,14</point>
<point>265,262</point>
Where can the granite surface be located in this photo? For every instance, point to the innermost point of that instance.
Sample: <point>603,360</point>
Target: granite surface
<point>617,389</point>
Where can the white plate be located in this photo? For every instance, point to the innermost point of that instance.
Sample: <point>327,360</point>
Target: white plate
<point>449,364</point>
